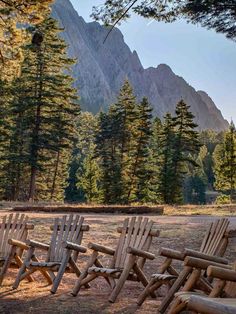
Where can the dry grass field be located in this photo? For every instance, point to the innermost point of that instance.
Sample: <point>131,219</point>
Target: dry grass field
<point>176,233</point>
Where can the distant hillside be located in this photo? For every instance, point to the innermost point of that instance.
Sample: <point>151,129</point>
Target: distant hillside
<point>102,68</point>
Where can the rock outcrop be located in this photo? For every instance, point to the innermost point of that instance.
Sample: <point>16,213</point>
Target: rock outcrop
<point>102,68</point>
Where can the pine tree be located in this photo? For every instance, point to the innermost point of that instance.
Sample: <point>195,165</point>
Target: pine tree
<point>140,173</point>
<point>88,174</point>
<point>125,112</point>
<point>195,181</point>
<point>225,163</point>
<point>186,146</point>
<point>5,133</point>
<point>117,144</point>
<point>46,109</point>
<point>153,166</point>
<point>108,152</point>
<point>209,139</point>
<point>167,166</point>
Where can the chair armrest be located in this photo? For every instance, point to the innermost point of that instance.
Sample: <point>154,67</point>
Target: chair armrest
<point>221,273</point>
<point>140,253</point>
<point>202,263</point>
<point>38,245</point>
<point>74,246</point>
<point>217,259</point>
<point>18,243</point>
<point>201,304</point>
<point>101,248</point>
<point>171,254</point>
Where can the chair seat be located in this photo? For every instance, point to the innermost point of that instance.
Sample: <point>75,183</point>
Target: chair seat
<point>102,270</point>
<point>43,264</point>
<point>163,277</point>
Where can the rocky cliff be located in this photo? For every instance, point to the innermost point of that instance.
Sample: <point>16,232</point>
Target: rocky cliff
<point>102,68</point>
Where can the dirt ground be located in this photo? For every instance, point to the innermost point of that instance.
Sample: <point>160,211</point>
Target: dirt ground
<point>176,233</point>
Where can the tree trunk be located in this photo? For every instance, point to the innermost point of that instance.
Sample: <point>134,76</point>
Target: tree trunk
<point>35,136</point>
<point>55,176</point>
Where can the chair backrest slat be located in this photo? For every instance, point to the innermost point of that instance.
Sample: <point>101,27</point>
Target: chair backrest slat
<point>68,228</point>
<point>2,229</point>
<point>214,236</point>
<point>59,238</point>
<point>146,232</point>
<point>52,248</point>
<point>7,229</point>
<point>210,236</point>
<point>13,226</point>
<point>129,236</point>
<point>215,244</point>
<point>77,235</point>
<point>117,256</point>
<point>134,233</point>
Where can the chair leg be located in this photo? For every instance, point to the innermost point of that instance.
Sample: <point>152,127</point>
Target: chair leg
<point>143,278</point>
<point>111,281</point>
<point>88,279</point>
<point>217,288</point>
<point>124,275</point>
<point>151,287</point>
<point>7,263</point>
<point>23,268</point>
<point>178,308</point>
<point>19,263</point>
<point>188,286</point>
<point>48,275</point>
<point>84,274</point>
<point>61,271</point>
<point>176,286</point>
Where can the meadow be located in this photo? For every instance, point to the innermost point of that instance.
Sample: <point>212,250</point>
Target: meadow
<point>176,232</point>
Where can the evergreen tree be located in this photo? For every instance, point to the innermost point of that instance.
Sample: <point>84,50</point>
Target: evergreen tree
<point>5,133</point>
<point>140,174</point>
<point>186,146</point>
<point>225,163</point>
<point>209,139</point>
<point>167,168</point>
<point>46,108</point>
<point>195,182</point>
<point>88,173</point>
<point>73,193</point>
<point>154,164</point>
<point>125,112</point>
<point>117,145</point>
<point>108,152</point>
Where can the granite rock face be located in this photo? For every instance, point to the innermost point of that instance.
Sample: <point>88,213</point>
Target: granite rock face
<point>102,67</point>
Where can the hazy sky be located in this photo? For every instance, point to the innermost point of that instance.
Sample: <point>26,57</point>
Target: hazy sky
<point>206,60</point>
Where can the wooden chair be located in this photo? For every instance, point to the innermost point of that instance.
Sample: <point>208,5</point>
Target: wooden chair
<point>212,248</point>
<point>127,259</point>
<point>14,230</point>
<point>62,252</point>
<point>225,286</point>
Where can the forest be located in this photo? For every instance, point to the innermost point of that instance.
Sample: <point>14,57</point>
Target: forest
<point>52,151</point>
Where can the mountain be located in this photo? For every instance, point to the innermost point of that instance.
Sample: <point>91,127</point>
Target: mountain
<point>102,68</point>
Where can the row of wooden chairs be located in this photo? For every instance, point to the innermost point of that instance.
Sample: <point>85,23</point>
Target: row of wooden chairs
<point>126,261</point>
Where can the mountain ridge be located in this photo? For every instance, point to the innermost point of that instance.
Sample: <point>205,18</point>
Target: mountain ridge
<point>102,68</point>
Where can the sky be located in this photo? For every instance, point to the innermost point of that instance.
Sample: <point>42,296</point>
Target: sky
<point>206,60</point>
